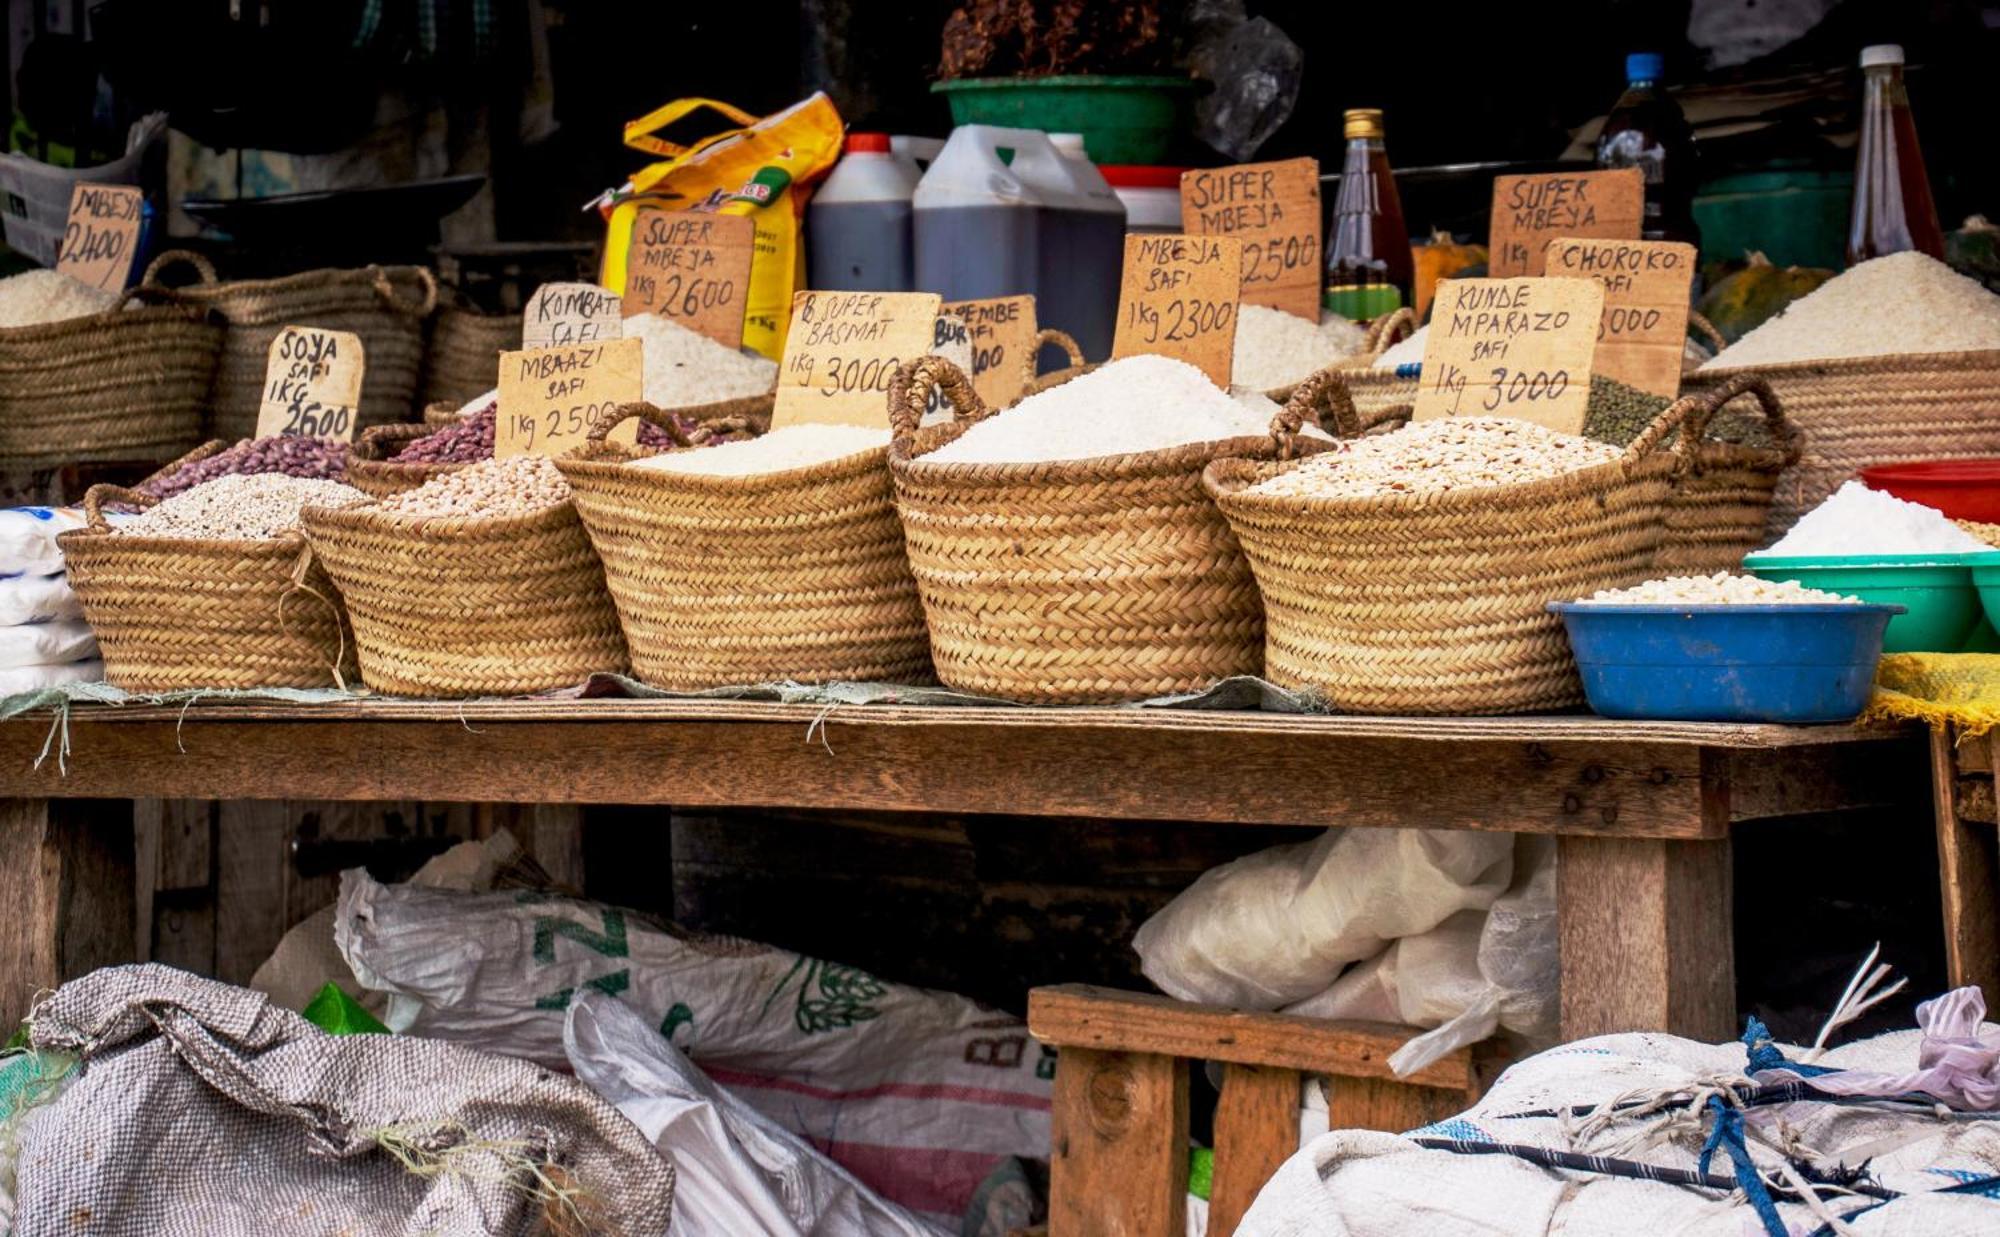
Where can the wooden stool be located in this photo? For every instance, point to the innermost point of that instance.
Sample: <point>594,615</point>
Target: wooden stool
<point>1119,1126</point>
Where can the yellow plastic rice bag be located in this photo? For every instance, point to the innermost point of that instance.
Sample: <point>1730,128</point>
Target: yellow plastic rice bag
<point>761,170</point>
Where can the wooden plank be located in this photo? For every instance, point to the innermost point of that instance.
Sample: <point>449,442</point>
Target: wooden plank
<point>187,844</point>
<point>1647,939</point>
<point>68,881</point>
<point>1118,1127</point>
<point>1968,871</point>
<point>146,826</point>
<point>1559,728</point>
<point>1769,782</point>
<point>1256,1130</point>
<point>1387,1105</point>
<point>253,868</point>
<point>1079,1016</point>
<point>1118,771</point>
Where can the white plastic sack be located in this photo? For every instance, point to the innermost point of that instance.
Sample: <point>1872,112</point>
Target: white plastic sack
<point>735,1171</point>
<point>37,599</point>
<point>46,644</point>
<point>28,538</point>
<point>919,1094</point>
<point>21,679</point>
<point>1279,926</point>
<point>1357,1183</point>
<point>1476,973</point>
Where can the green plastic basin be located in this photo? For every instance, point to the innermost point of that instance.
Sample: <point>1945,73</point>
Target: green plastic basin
<point>1122,119</point>
<point>1986,582</point>
<point>1936,590</point>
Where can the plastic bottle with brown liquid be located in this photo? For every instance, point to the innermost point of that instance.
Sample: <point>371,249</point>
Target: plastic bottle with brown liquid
<point>1893,210</point>
<point>1369,268</point>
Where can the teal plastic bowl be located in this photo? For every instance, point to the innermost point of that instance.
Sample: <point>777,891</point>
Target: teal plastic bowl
<point>1124,120</point>
<point>1986,581</point>
<point>1936,591</point>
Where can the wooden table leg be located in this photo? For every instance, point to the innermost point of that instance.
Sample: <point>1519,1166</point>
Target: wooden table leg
<point>1256,1130</point>
<point>1968,868</point>
<point>1119,1129</point>
<point>66,882</point>
<point>1648,940</point>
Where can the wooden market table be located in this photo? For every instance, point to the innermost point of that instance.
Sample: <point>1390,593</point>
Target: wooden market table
<point>1643,811</point>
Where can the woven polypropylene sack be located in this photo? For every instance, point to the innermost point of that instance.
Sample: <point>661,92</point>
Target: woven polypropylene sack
<point>202,1110</point>
<point>1434,602</point>
<point>795,576</point>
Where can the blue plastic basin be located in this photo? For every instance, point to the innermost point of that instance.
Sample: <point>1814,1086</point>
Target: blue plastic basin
<point>1727,663</point>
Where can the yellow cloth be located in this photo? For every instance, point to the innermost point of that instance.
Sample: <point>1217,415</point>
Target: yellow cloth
<point>1962,689</point>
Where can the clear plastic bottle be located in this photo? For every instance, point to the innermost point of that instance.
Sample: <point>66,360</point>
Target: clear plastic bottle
<point>1648,131</point>
<point>1370,271</point>
<point>1893,210</point>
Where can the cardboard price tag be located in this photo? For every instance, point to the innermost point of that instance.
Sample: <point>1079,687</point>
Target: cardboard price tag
<point>1646,284</point>
<point>570,313</point>
<point>692,267</point>
<point>1518,348</point>
<point>842,349</point>
<point>102,235</point>
<point>1273,208</point>
<point>1178,298</point>
<point>312,384</point>
<point>1531,211</point>
<point>1002,332</point>
<point>549,396</point>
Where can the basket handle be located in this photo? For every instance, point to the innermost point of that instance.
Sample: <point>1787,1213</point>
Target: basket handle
<point>607,419</point>
<point>1321,393</point>
<point>910,389</point>
<point>708,431</point>
<point>1703,327</point>
<point>426,301</point>
<point>202,452</point>
<point>104,492</point>
<point>180,257</point>
<point>1669,420</point>
<point>376,441</point>
<point>1784,435</point>
<point>1383,333</point>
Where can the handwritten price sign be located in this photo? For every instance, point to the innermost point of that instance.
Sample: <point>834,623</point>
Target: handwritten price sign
<point>550,396</point>
<point>692,267</point>
<point>1517,348</point>
<point>1273,208</point>
<point>842,350</point>
<point>1178,298</point>
<point>102,235</point>
<point>312,384</point>
<point>1002,334</point>
<point>570,313</point>
<point>1646,286</point>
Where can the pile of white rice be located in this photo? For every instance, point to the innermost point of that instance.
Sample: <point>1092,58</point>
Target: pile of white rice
<point>1276,349</point>
<point>1906,302</point>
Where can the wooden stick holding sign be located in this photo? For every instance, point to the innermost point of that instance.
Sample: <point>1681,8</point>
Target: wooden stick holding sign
<point>1178,298</point>
<point>101,236</point>
<point>312,384</point>
<point>1518,348</point>
<point>1002,331</point>
<point>571,313</point>
<point>549,396</point>
<point>842,350</point>
<point>1531,211</point>
<point>692,267</point>
<point>1646,285</point>
<point>1273,208</point>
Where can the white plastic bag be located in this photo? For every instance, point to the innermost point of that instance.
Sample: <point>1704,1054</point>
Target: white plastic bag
<point>735,1171</point>
<point>37,599</point>
<point>919,1094</point>
<point>1279,926</point>
<point>19,679</point>
<point>46,644</point>
<point>28,538</point>
<point>1476,973</point>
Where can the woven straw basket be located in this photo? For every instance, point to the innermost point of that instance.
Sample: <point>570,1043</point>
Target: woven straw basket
<point>1076,581</point>
<point>372,468</point>
<point>1433,603</point>
<point>462,359</point>
<point>124,385</point>
<point>1722,501</point>
<point>437,416</point>
<point>796,575</point>
<point>178,613</point>
<point>451,606</point>
<point>1862,411</point>
<point>385,306</point>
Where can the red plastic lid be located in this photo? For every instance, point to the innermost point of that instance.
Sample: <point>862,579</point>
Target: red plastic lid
<point>1140,176</point>
<point>872,143</point>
